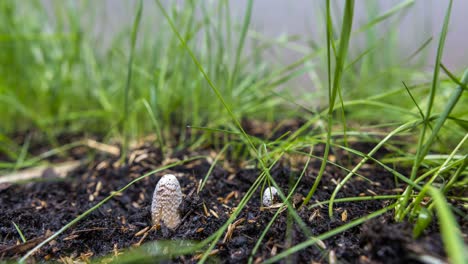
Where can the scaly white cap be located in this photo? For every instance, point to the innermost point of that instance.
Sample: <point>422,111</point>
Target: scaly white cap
<point>167,198</point>
<point>269,196</point>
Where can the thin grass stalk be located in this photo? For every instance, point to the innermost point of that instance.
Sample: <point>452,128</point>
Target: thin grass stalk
<point>240,45</point>
<point>364,160</point>
<point>34,160</point>
<point>23,153</point>
<point>392,11</point>
<point>260,239</point>
<point>213,164</point>
<point>449,158</point>
<point>157,127</point>
<point>217,235</point>
<point>456,175</point>
<point>378,162</point>
<point>420,148</point>
<point>265,169</point>
<point>125,121</point>
<point>452,77</point>
<point>340,59</point>
<point>23,238</point>
<point>424,149</point>
<point>451,234</point>
<point>313,240</point>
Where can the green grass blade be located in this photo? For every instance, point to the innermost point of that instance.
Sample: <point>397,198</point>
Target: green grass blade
<point>440,51</point>
<point>240,45</point>
<point>268,226</point>
<point>394,10</point>
<point>136,26</point>
<point>156,125</point>
<point>421,48</point>
<point>210,170</point>
<point>23,238</point>
<point>456,175</point>
<point>340,60</point>
<point>451,234</point>
<point>452,77</point>
<point>313,240</point>
<point>363,161</point>
<point>435,83</point>
<point>414,101</point>
<point>424,146</point>
<point>23,153</point>
<point>452,102</point>
<point>448,159</point>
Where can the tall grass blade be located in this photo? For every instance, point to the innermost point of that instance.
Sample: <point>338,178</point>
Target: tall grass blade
<point>394,10</point>
<point>125,132</point>
<point>451,234</point>
<point>423,146</point>
<point>414,101</point>
<point>156,125</point>
<point>452,76</point>
<point>340,60</point>
<point>240,45</point>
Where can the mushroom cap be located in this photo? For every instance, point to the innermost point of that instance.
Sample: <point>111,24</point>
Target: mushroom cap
<point>167,198</point>
<point>170,182</point>
<point>269,196</point>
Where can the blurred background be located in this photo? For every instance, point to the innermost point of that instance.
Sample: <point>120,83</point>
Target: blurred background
<point>303,19</point>
<point>65,65</point>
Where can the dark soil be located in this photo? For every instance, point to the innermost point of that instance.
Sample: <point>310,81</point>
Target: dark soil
<point>41,208</point>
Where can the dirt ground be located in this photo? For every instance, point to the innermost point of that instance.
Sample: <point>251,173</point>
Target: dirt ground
<point>43,207</point>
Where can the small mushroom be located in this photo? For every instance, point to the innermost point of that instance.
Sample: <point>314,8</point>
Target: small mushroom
<point>167,198</point>
<point>269,196</point>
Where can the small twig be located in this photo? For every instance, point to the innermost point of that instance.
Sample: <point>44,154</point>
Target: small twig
<point>59,170</point>
<point>113,150</point>
<point>21,248</point>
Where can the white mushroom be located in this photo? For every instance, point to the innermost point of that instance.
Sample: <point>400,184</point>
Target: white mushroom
<point>167,198</point>
<point>269,196</point>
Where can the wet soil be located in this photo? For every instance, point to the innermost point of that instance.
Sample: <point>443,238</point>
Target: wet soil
<point>41,208</point>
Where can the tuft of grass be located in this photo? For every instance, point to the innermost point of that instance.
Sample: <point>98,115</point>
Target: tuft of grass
<point>424,145</point>
<point>73,83</point>
<point>336,89</point>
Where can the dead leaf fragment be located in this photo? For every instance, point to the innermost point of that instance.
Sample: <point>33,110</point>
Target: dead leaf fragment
<point>344,216</point>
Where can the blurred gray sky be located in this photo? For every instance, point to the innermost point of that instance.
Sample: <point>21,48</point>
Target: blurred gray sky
<point>274,18</point>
